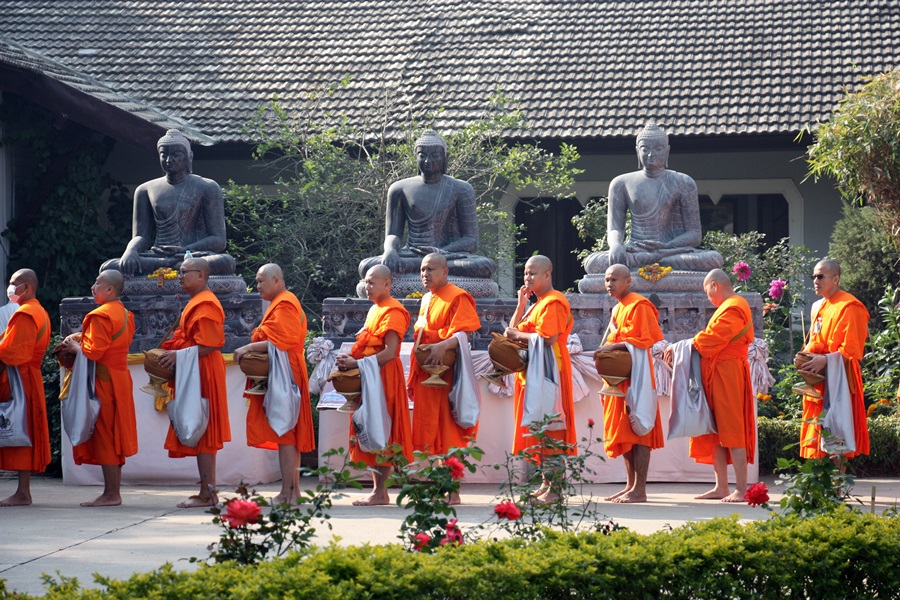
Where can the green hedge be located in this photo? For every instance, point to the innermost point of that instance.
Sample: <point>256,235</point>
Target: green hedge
<point>844,555</point>
<point>884,435</point>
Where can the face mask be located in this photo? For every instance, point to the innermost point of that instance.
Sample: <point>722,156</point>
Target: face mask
<point>11,293</point>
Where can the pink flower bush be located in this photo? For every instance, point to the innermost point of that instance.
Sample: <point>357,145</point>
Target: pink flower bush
<point>457,468</point>
<point>742,270</point>
<point>776,289</point>
<point>507,510</point>
<point>421,541</point>
<point>454,535</point>
<point>757,494</point>
<point>240,513</point>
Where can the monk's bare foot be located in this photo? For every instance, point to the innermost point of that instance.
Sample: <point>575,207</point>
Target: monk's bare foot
<point>104,500</point>
<point>282,498</point>
<point>455,499</point>
<point>373,500</point>
<point>735,496</point>
<point>617,494</point>
<point>199,501</point>
<point>713,494</point>
<point>540,491</point>
<point>16,499</point>
<point>630,497</point>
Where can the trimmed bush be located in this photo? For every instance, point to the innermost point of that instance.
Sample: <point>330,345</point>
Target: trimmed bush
<point>843,555</point>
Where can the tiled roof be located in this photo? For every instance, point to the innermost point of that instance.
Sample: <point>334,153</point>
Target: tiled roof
<point>14,55</point>
<point>581,69</point>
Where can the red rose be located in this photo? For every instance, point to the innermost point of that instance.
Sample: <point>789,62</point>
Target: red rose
<point>457,469</point>
<point>454,535</point>
<point>507,510</point>
<point>757,494</point>
<point>421,541</point>
<point>239,513</point>
<point>591,423</point>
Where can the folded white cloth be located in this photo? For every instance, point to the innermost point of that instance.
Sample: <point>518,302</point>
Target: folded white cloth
<point>189,411</point>
<point>80,409</point>
<point>282,400</point>
<point>465,395</point>
<point>691,415</point>
<point>837,408</point>
<point>372,420</point>
<point>542,394</point>
<point>640,399</point>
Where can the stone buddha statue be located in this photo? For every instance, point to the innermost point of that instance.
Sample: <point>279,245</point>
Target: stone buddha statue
<point>437,213</point>
<point>173,214</point>
<point>665,215</point>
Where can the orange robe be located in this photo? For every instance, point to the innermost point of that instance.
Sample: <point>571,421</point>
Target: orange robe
<point>840,325</point>
<point>452,310</point>
<point>23,345</point>
<point>637,322</point>
<point>284,324</point>
<point>115,434</point>
<point>202,324</point>
<point>387,315</point>
<point>726,380</point>
<point>550,316</point>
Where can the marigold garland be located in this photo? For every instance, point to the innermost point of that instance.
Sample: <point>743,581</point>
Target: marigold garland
<point>654,272</point>
<point>163,273</point>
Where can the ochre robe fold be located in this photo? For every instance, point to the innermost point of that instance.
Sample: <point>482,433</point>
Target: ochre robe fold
<point>202,324</point>
<point>115,434</point>
<point>388,315</point>
<point>451,310</point>
<point>839,325</point>
<point>284,324</point>
<point>726,381</point>
<point>550,316</point>
<point>23,345</point>
<point>637,323</point>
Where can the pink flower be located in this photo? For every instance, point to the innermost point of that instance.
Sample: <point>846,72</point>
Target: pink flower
<point>240,513</point>
<point>757,494</point>
<point>457,469</point>
<point>421,541</point>
<point>454,535</point>
<point>742,270</point>
<point>776,289</point>
<point>507,510</point>
<point>591,423</point>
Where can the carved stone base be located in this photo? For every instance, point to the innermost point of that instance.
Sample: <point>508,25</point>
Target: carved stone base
<point>343,317</point>
<point>681,314</point>
<point>675,281</point>
<point>155,311</point>
<point>220,285</point>
<point>404,285</point>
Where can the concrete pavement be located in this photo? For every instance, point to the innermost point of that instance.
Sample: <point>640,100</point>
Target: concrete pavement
<point>55,534</point>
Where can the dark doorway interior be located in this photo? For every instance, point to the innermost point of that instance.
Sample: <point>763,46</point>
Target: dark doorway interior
<point>548,230</point>
<point>742,213</point>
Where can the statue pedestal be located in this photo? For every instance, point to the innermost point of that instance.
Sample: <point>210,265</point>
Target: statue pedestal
<point>681,314</point>
<point>675,281</point>
<point>342,318</point>
<point>404,285</point>
<point>156,307</point>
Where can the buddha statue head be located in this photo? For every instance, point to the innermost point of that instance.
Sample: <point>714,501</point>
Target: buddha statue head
<point>431,153</point>
<point>174,151</point>
<point>652,147</point>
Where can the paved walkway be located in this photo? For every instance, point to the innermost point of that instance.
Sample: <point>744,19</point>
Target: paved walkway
<point>55,534</point>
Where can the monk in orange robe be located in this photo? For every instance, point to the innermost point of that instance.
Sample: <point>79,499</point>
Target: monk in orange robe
<point>551,318</point>
<point>725,371</point>
<point>106,335</point>
<point>23,345</point>
<point>839,323</point>
<point>284,324</point>
<point>636,322</point>
<point>449,311</point>
<point>386,324</point>
<point>202,325</point>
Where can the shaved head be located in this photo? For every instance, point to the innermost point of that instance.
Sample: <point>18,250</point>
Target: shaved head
<point>199,264</point>
<point>619,271</point>
<point>718,286</point>
<point>25,276</point>
<point>540,263</point>
<point>436,259</point>
<point>719,277</point>
<point>113,278</point>
<point>378,283</point>
<point>381,271</point>
<point>830,266</point>
<point>618,281</point>
<point>271,270</point>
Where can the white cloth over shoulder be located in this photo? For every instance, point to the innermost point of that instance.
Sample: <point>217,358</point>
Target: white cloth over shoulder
<point>760,377</point>
<point>691,415</point>
<point>465,395</point>
<point>640,399</point>
<point>838,408</point>
<point>372,420</point>
<point>282,400</point>
<point>662,371</point>
<point>542,394</point>
<point>14,413</point>
<point>81,407</point>
<point>189,411</point>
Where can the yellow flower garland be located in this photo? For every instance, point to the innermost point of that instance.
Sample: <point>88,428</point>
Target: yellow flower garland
<point>654,272</point>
